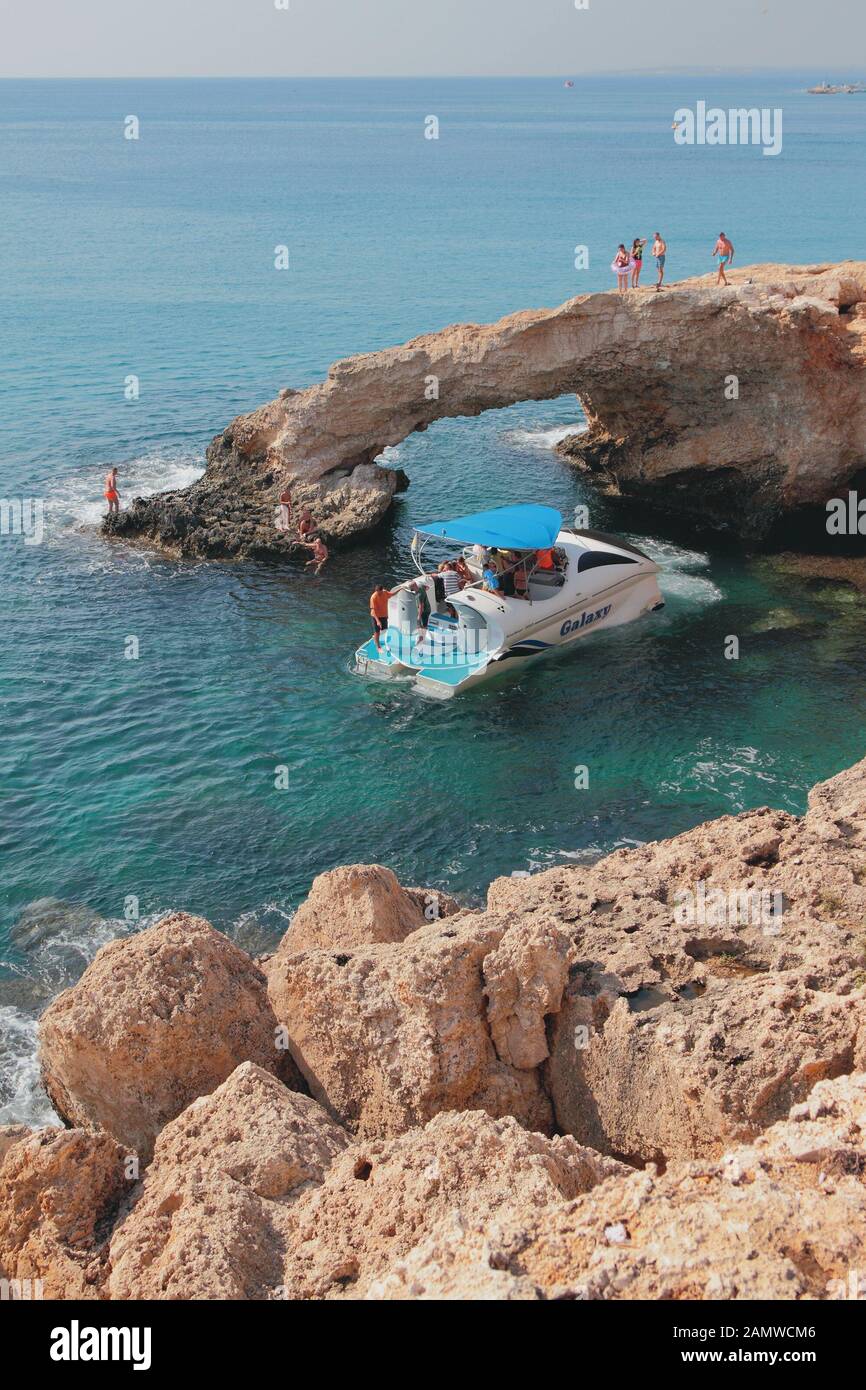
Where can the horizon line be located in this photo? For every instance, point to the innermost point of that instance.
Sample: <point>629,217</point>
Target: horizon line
<point>699,70</point>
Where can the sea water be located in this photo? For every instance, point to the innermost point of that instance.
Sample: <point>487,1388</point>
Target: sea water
<point>134,785</point>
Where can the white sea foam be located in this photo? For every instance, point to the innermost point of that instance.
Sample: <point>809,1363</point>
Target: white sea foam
<point>76,500</point>
<point>728,771</point>
<point>22,1099</point>
<point>544,439</point>
<point>678,579</point>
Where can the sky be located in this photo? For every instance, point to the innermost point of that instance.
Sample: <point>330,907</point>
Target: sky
<point>320,38</point>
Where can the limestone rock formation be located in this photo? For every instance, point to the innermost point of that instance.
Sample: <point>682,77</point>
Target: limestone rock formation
<point>691,1013</point>
<point>209,1218</point>
<point>60,1191</point>
<point>721,973</point>
<point>361,904</point>
<point>12,1134</point>
<point>762,1223</point>
<point>380,1200</point>
<point>781,1219</point>
<point>157,1020</point>
<point>388,1035</point>
<point>650,370</point>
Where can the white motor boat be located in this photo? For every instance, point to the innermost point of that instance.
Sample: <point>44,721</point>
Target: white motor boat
<point>555,586</point>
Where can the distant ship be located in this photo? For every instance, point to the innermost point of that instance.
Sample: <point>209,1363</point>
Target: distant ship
<point>826,89</point>
<point>568,84</point>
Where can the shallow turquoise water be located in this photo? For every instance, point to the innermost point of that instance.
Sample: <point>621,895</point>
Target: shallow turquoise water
<point>154,778</point>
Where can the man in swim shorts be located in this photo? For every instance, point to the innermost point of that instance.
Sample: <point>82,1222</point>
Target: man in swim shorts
<point>724,249</point>
<point>379,611</point>
<point>660,251</point>
<point>111,494</point>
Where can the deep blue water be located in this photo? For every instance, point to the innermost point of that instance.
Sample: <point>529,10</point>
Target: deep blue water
<point>154,778</point>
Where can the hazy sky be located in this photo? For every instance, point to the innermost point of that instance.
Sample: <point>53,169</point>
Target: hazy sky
<point>164,38</point>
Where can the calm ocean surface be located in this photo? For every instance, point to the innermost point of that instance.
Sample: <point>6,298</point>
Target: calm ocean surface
<point>154,779</point>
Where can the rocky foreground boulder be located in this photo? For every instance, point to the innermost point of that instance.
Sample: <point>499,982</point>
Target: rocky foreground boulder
<point>208,1219</point>
<point>360,905</point>
<point>156,1021</point>
<point>784,1219</point>
<point>640,1078</point>
<point>60,1193</point>
<point>733,406</point>
<point>388,1035</point>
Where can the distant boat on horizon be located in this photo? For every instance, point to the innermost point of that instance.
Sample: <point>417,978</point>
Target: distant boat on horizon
<point>568,84</point>
<point>827,89</point>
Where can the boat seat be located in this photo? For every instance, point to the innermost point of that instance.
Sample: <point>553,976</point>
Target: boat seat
<point>552,579</point>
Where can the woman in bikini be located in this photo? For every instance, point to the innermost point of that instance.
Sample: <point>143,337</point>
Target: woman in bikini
<point>620,268</point>
<point>636,261</point>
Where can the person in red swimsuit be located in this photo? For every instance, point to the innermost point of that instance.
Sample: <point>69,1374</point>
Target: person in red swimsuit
<point>111,494</point>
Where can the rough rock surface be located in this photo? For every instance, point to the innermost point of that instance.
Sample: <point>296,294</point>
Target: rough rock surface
<point>208,1220</point>
<point>696,1006</point>
<point>685,985</point>
<point>156,1020</point>
<point>361,904</point>
<point>60,1191</point>
<point>379,1200</point>
<point>650,370</point>
<point>782,1219</point>
<point>12,1134</point>
<point>785,1219</point>
<point>388,1035</point>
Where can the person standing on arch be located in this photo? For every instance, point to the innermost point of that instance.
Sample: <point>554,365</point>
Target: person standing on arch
<point>724,249</point>
<point>660,251</point>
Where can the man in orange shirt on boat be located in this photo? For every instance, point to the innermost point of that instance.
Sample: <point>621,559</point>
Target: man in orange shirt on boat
<point>379,612</point>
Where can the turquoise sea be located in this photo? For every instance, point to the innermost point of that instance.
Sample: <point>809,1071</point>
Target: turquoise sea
<point>154,779</point>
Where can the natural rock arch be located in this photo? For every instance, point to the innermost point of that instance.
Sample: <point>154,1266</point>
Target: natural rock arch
<point>730,405</point>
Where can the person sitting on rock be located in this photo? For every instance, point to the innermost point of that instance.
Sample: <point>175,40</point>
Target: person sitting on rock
<point>306,525</point>
<point>320,554</point>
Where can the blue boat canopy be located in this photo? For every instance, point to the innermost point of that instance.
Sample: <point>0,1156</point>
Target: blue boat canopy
<point>524,527</point>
